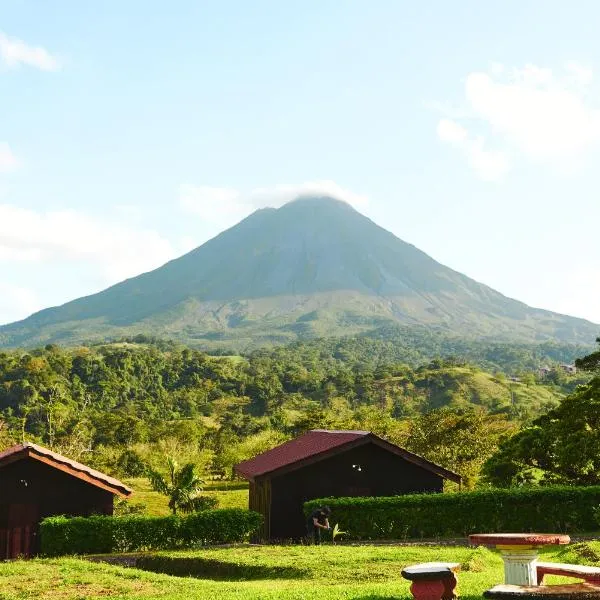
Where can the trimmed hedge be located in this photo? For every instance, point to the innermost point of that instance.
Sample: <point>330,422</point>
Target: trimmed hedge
<point>555,509</point>
<point>102,534</point>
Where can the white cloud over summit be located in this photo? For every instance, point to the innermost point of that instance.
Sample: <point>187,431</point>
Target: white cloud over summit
<point>530,113</point>
<point>225,206</point>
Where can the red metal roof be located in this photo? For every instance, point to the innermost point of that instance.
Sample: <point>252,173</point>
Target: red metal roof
<point>322,443</point>
<point>29,450</point>
<point>310,444</point>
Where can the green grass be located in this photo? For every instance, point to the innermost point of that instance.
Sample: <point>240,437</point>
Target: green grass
<point>157,504</point>
<point>263,573</point>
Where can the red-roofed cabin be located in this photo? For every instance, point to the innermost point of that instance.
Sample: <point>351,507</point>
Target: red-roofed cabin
<point>322,464</point>
<point>36,483</point>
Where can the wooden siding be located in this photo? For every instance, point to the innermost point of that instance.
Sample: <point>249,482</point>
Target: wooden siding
<point>260,501</point>
<point>381,473</point>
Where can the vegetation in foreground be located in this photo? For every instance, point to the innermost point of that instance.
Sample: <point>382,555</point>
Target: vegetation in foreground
<point>286,573</point>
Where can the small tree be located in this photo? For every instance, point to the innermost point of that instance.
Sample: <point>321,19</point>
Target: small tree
<point>182,486</point>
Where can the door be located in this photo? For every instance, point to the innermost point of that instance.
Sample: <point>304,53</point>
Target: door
<point>20,537</point>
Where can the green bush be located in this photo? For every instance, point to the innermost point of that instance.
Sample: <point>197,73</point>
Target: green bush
<point>102,534</point>
<point>125,507</point>
<point>555,509</point>
<point>200,503</point>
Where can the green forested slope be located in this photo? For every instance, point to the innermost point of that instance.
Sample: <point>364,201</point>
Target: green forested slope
<point>116,405</point>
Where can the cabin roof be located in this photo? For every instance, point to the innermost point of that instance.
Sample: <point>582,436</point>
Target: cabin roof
<point>319,444</point>
<point>62,463</point>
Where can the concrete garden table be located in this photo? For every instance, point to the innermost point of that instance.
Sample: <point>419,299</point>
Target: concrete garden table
<point>519,552</point>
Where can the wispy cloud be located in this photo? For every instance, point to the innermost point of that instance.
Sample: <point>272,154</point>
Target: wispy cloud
<point>531,113</point>
<point>16,302</point>
<point>224,206</point>
<point>15,52</point>
<point>8,161</point>
<point>116,251</point>
<point>490,165</point>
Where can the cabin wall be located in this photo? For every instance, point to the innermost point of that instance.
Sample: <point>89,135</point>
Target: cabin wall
<point>381,473</point>
<point>260,502</point>
<point>31,491</point>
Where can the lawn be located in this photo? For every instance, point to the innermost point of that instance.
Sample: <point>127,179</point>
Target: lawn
<point>262,572</point>
<point>229,495</point>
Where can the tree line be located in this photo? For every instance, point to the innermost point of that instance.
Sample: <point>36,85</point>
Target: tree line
<point>122,406</point>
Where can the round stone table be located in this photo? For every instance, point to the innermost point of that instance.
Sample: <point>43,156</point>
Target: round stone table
<point>519,552</point>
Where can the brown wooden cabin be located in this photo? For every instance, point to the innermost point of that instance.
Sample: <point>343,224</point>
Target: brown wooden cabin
<point>321,464</point>
<point>36,483</point>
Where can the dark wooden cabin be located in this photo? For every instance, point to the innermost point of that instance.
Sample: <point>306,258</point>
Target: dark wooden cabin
<point>36,483</point>
<point>324,463</point>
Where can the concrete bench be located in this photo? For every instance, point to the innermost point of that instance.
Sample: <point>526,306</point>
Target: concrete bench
<point>432,581</point>
<point>588,574</point>
<point>572,591</point>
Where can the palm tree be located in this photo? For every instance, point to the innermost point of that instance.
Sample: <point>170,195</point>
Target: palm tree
<point>181,485</point>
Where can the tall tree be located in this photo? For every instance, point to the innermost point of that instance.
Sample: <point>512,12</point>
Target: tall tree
<point>562,446</point>
<point>459,439</point>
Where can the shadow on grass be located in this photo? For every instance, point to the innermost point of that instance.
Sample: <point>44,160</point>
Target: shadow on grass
<point>203,568</point>
<point>407,596</point>
<point>376,597</point>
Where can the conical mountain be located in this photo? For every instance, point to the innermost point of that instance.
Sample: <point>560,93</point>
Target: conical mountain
<point>313,267</point>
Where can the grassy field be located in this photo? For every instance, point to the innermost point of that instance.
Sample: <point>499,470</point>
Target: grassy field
<point>262,572</point>
<point>157,504</point>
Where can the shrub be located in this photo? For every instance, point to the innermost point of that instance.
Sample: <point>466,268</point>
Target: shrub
<point>102,534</point>
<point>596,513</point>
<point>200,503</point>
<point>124,507</point>
<point>559,509</point>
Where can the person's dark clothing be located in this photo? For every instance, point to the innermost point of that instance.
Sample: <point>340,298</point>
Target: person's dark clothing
<point>314,532</point>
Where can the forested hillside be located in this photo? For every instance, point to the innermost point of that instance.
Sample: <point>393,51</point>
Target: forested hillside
<point>415,345</point>
<point>117,406</point>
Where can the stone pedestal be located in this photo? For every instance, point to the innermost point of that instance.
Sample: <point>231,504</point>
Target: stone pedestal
<point>432,581</point>
<point>427,590</point>
<point>519,564</point>
<point>449,588</point>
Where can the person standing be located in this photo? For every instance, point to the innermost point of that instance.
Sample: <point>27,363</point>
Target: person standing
<point>317,521</point>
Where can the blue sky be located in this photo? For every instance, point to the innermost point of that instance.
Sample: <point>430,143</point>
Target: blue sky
<point>131,132</point>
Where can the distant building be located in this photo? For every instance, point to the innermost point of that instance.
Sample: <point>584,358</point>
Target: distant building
<point>544,372</point>
<point>570,369</point>
<point>321,464</point>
